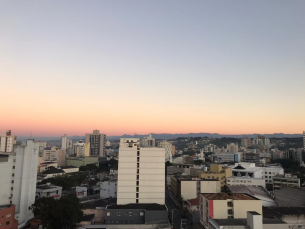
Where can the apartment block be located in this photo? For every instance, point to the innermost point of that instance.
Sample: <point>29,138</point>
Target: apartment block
<point>141,173</point>
<point>55,154</point>
<point>191,187</point>
<point>81,149</point>
<point>225,206</point>
<point>218,172</point>
<point>7,142</point>
<point>97,143</point>
<point>168,150</point>
<point>286,180</point>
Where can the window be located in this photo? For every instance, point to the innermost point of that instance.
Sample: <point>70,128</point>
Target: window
<point>137,195</point>
<point>8,223</point>
<point>108,213</point>
<point>119,214</point>
<point>8,215</point>
<point>130,213</point>
<point>141,213</point>
<point>137,201</point>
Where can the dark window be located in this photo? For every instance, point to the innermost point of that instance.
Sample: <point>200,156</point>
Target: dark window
<point>137,201</point>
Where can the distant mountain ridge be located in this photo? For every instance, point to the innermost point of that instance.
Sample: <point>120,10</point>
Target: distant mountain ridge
<point>170,136</point>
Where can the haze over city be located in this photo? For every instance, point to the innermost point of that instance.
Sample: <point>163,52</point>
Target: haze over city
<point>127,67</point>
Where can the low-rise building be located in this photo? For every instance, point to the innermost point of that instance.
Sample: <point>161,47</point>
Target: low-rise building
<point>253,220</point>
<point>80,161</point>
<point>247,181</point>
<point>228,157</point>
<point>52,172</point>
<point>293,216</point>
<point>108,189</point>
<point>48,190</point>
<point>286,180</point>
<point>7,217</point>
<point>227,205</point>
<point>45,166</point>
<point>81,191</point>
<point>218,172</point>
<point>70,169</point>
<point>190,187</point>
<point>137,214</point>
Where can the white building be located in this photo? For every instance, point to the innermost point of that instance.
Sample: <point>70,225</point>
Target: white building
<point>148,141</point>
<point>42,145</point>
<point>247,181</point>
<point>108,189</point>
<point>81,191</point>
<point>55,154</point>
<point>168,150</point>
<point>81,149</point>
<point>250,170</point>
<point>48,190</point>
<point>141,174</point>
<point>7,142</point>
<point>97,143</point>
<point>21,171</point>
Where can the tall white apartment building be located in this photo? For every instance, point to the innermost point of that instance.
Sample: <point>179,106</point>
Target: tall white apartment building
<point>141,173</point>
<point>81,149</point>
<point>97,143</point>
<point>18,179</point>
<point>148,141</point>
<point>66,144</point>
<point>7,142</point>
<point>168,150</point>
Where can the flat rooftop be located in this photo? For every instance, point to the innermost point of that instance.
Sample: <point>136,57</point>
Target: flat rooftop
<point>243,222</point>
<point>147,207</point>
<point>226,196</point>
<point>45,187</point>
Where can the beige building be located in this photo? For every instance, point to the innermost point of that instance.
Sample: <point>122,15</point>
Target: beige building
<point>55,154</point>
<point>286,180</point>
<point>81,149</point>
<point>216,171</point>
<point>141,173</point>
<point>7,142</point>
<point>168,150</point>
<point>225,205</point>
<point>247,181</point>
<point>190,187</point>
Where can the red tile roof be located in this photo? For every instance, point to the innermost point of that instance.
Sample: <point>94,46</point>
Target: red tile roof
<point>194,201</point>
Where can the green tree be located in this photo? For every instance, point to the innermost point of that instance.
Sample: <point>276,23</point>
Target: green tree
<point>113,163</point>
<point>63,213</point>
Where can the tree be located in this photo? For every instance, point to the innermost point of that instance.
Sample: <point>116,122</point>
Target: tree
<point>113,163</point>
<point>63,213</point>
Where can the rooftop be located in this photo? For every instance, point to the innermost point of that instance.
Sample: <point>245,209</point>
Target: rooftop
<point>259,192</point>
<point>277,212</point>
<point>194,201</point>
<point>226,196</point>
<point>102,203</point>
<point>68,167</point>
<point>52,171</point>
<point>147,207</point>
<point>45,186</point>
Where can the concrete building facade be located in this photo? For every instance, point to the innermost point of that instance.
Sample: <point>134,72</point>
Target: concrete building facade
<point>168,150</point>
<point>7,142</point>
<point>247,181</point>
<point>97,143</point>
<point>148,141</point>
<point>224,206</point>
<point>218,172</point>
<point>141,173</point>
<point>81,149</point>
<point>48,190</point>
<point>7,217</point>
<point>108,189</point>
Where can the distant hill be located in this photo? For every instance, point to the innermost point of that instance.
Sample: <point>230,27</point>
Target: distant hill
<point>170,136</point>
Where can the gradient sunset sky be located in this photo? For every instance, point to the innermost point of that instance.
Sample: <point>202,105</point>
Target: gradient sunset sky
<point>125,67</point>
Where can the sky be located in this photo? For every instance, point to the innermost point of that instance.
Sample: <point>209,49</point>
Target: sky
<point>125,67</point>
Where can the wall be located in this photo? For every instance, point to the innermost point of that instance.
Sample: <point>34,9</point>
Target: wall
<point>240,207</point>
<point>210,187</point>
<point>246,181</point>
<point>156,216</point>
<point>188,189</point>
<point>81,161</point>
<point>7,214</point>
<point>6,171</point>
<point>99,214</point>
<point>220,209</point>
<point>124,217</point>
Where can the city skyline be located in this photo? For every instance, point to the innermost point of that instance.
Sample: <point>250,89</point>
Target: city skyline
<point>126,67</point>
